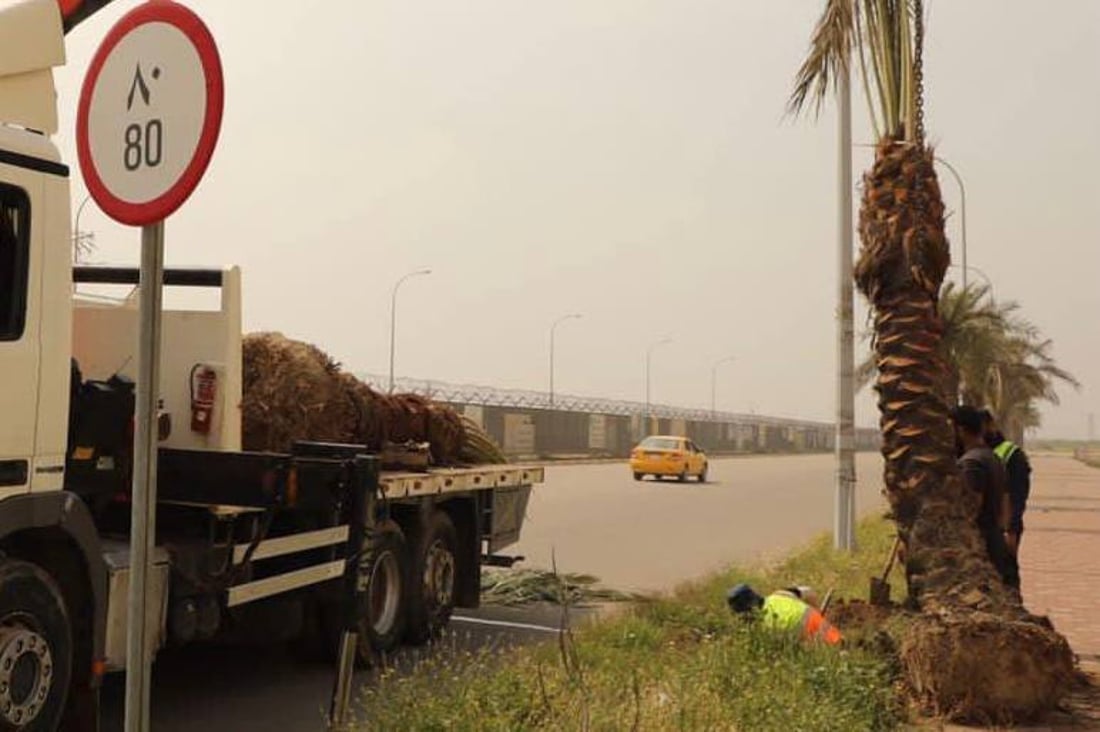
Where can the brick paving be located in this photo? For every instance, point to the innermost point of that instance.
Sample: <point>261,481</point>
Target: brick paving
<point>1060,551</point>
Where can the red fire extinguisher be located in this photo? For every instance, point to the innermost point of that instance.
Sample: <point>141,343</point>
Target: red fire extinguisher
<point>204,391</point>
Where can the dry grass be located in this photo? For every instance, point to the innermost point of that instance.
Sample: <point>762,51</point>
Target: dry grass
<point>678,662</point>
<point>525,586</point>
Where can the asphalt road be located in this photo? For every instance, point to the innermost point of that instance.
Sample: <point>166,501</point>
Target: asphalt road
<point>591,518</point>
<point>655,534</point>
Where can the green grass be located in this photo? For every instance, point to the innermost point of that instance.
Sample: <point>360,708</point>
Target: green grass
<point>679,662</point>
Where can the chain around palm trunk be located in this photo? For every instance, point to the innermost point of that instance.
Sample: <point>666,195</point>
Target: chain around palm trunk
<point>918,66</point>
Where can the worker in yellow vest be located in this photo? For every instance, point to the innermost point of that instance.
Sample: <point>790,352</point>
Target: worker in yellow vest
<point>789,610</point>
<point>1018,471</point>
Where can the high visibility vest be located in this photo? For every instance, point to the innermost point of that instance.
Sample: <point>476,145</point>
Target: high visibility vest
<point>788,613</point>
<point>1005,451</point>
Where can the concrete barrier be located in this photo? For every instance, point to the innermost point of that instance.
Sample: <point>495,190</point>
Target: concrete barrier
<point>545,433</point>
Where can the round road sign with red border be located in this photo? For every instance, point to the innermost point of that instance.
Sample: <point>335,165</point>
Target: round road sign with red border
<point>150,112</point>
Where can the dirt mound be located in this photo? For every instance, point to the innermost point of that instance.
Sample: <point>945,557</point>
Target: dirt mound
<point>855,614</point>
<point>983,668</point>
<point>295,391</point>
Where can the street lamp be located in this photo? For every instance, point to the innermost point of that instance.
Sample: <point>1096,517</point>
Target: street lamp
<point>393,315</point>
<point>962,208</point>
<point>648,358</point>
<point>559,321</point>
<point>714,383</point>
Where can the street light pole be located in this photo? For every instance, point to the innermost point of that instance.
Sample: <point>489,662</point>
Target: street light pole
<point>962,208</point>
<point>393,316</point>
<point>714,384</point>
<point>648,358</point>
<point>559,321</point>
<point>844,515</point>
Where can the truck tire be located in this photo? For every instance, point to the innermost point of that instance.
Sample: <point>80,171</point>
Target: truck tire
<point>433,579</point>
<point>386,567</point>
<point>384,570</point>
<point>36,648</point>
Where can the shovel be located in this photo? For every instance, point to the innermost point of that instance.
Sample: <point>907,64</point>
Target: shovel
<point>880,588</point>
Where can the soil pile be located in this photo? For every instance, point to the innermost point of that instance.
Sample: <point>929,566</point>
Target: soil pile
<point>983,668</point>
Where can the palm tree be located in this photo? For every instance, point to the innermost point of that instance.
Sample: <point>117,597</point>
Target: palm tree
<point>994,358</point>
<point>974,329</point>
<point>1024,374</point>
<point>902,262</point>
<point>903,258</point>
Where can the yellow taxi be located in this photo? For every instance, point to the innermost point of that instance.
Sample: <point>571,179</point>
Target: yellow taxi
<point>666,456</point>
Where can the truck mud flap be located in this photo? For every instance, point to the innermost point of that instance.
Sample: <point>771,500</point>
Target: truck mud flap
<point>508,508</point>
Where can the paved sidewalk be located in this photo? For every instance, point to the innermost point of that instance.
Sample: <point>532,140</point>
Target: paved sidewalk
<point>1060,551</point>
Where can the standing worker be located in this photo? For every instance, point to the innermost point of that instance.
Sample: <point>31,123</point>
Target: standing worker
<point>785,610</point>
<point>983,473</point>
<point>1018,468</point>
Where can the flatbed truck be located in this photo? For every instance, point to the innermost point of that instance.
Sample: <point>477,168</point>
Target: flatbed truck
<point>248,544</point>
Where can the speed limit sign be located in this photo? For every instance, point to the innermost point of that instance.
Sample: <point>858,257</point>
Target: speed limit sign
<point>149,115</point>
<point>150,112</point>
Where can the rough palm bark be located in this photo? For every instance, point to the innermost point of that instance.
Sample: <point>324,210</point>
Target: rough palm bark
<point>975,632</point>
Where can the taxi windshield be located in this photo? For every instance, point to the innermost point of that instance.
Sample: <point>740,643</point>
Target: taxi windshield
<point>661,443</point>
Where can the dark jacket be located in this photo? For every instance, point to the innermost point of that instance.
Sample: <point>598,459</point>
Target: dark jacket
<point>1018,469</point>
<point>983,473</point>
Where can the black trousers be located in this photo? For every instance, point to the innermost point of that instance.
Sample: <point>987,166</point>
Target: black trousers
<point>1003,560</point>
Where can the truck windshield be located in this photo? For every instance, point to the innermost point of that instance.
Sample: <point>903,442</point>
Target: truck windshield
<point>660,443</point>
<point>14,238</point>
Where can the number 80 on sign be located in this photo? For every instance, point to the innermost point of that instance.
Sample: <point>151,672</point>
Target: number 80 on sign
<point>150,112</point>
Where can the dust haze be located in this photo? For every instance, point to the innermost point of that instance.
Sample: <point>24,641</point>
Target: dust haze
<point>628,160</point>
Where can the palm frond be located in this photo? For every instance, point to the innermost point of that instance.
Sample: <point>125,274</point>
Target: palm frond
<point>882,33</point>
<point>830,49</point>
<point>999,359</point>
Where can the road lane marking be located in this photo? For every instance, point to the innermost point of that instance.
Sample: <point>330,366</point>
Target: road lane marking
<point>505,624</point>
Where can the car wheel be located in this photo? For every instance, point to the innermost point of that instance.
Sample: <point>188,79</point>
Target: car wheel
<point>638,476</point>
<point>683,476</point>
<point>703,473</point>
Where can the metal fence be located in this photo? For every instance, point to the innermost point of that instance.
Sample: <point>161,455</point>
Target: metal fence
<point>526,423</point>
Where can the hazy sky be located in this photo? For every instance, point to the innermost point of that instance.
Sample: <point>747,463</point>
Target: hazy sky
<point>626,159</point>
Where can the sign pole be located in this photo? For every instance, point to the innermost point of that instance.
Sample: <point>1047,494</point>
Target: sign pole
<point>148,120</point>
<point>144,507</point>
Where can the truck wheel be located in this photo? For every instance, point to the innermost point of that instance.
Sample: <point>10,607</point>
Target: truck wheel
<point>383,569</point>
<point>35,649</point>
<point>434,574</point>
<point>386,567</point>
